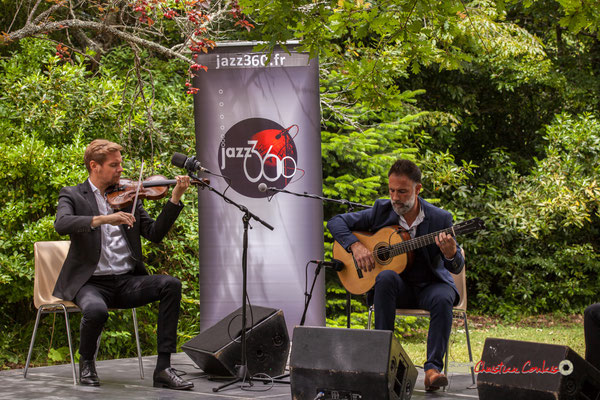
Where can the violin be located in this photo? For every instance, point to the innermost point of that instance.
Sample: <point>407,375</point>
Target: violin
<point>153,188</point>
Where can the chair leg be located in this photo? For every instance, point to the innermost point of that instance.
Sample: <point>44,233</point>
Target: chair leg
<point>35,327</point>
<point>33,336</point>
<point>348,309</point>
<point>446,361</point>
<point>370,316</point>
<point>469,346</point>
<point>137,342</point>
<point>70,343</point>
<point>98,344</point>
<point>446,358</point>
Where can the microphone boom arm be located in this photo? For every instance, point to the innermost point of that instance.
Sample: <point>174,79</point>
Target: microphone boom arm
<point>348,203</point>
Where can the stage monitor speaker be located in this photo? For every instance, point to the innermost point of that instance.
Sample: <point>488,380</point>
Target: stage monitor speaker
<point>218,349</point>
<point>349,364</point>
<point>516,370</point>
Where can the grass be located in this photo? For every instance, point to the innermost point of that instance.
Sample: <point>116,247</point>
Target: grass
<point>542,329</point>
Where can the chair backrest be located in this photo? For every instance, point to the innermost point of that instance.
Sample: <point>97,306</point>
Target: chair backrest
<point>49,258</point>
<point>461,284</point>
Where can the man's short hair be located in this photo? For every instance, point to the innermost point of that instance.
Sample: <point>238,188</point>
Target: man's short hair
<point>98,150</point>
<point>406,168</point>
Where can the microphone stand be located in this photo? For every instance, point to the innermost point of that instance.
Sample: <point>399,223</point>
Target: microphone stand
<point>242,369</point>
<point>309,294</point>
<point>351,206</point>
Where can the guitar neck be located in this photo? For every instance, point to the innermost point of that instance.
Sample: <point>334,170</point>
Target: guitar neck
<point>417,243</point>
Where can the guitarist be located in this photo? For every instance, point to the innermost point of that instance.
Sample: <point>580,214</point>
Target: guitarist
<point>427,282</point>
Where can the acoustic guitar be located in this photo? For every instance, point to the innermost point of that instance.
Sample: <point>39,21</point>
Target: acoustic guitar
<point>391,249</point>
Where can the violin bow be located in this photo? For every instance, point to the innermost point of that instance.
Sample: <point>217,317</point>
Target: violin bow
<point>138,189</point>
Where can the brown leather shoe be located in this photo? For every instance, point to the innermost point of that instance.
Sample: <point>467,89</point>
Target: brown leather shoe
<point>434,379</point>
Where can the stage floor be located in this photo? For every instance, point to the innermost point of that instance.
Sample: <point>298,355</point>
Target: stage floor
<point>120,379</point>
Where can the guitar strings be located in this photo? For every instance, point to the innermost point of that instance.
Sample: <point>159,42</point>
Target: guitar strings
<point>406,246</point>
<point>419,241</point>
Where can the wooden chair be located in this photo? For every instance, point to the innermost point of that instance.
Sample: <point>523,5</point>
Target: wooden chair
<point>49,258</point>
<point>460,311</point>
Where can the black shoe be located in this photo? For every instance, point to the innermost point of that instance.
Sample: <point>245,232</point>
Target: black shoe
<point>87,373</point>
<point>167,378</point>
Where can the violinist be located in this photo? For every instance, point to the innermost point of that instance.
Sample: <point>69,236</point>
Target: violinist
<point>104,267</point>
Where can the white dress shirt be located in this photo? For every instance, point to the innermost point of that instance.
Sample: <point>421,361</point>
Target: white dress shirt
<point>115,256</point>
<point>412,229</point>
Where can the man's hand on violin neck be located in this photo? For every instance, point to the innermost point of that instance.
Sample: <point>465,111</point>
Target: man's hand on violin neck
<point>118,218</point>
<point>183,182</point>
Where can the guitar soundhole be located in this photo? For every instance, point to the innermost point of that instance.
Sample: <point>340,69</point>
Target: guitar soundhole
<point>382,253</point>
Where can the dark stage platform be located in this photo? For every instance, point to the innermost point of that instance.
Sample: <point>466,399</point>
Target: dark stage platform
<point>120,379</point>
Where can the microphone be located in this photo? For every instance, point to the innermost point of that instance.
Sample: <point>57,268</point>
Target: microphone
<point>189,163</point>
<point>334,264</point>
<point>262,187</point>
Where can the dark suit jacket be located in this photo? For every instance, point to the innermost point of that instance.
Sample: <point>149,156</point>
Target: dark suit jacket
<point>382,214</point>
<point>76,208</point>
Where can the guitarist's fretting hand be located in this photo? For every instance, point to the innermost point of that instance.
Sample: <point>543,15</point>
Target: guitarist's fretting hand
<point>447,245</point>
<point>363,256</point>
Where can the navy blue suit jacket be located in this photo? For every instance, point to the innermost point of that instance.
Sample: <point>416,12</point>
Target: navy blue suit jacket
<point>382,214</point>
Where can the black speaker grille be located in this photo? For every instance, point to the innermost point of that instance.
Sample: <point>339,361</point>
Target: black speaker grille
<point>217,350</point>
<point>353,363</point>
<point>518,370</point>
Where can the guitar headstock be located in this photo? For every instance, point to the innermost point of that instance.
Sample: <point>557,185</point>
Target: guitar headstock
<point>469,226</point>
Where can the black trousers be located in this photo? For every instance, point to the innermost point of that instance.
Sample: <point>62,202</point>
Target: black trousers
<point>392,292</point>
<point>128,291</point>
<point>591,326</point>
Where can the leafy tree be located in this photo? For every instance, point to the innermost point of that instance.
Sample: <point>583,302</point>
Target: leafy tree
<point>540,252</point>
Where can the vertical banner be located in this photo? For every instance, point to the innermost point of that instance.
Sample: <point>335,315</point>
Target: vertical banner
<point>257,122</point>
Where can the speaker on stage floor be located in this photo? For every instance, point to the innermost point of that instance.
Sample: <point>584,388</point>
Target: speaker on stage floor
<point>218,349</point>
<point>516,370</point>
<point>349,364</point>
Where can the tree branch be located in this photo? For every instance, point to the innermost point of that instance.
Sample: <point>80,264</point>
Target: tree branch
<point>31,30</point>
<point>37,3</point>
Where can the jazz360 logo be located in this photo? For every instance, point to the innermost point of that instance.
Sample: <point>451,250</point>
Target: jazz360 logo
<point>258,150</point>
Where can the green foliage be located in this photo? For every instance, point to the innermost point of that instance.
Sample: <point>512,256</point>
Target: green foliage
<point>577,15</point>
<point>371,44</point>
<point>50,110</point>
<point>540,253</point>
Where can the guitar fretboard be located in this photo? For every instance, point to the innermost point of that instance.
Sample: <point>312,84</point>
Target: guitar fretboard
<point>413,244</point>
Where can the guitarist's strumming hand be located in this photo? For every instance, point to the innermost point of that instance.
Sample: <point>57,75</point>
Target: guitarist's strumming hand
<point>363,256</point>
<point>447,245</point>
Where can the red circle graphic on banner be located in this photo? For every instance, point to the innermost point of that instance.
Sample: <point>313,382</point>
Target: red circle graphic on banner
<point>258,150</point>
